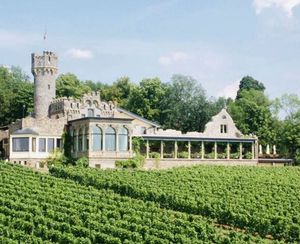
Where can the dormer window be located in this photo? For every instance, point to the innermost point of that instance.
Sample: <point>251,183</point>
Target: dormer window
<point>223,129</point>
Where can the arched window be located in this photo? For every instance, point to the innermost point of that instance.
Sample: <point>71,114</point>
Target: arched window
<point>123,139</point>
<point>80,145</point>
<point>74,139</point>
<point>97,138</point>
<point>86,139</point>
<point>110,139</point>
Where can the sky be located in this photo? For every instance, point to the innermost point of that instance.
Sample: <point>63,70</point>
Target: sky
<point>216,42</point>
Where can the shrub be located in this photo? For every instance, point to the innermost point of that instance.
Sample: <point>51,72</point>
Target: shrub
<point>248,155</point>
<point>135,162</point>
<point>56,158</point>
<point>154,155</point>
<point>210,155</point>
<point>183,155</point>
<point>82,162</point>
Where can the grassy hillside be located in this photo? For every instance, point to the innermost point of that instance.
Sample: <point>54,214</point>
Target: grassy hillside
<point>259,200</point>
<point>40,208</point>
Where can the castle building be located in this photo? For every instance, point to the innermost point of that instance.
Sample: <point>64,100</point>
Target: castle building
<point>103,132</point>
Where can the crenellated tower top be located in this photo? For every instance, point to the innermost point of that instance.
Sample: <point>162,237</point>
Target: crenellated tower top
<point>45,63</point>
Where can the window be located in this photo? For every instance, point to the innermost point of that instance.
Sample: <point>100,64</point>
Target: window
<point>48,87</point>
<point>58,143</point>
<point>80,145</point>
<point>83,115</point>
<point>90,112</point>
<point>223,129</point>
<point>123,139</point>
<point>21,144</point>
<point>110,139</point>
<point>42,144</point>
<point>50,144</point>
<point>34,144</point>
<point>97,138</point>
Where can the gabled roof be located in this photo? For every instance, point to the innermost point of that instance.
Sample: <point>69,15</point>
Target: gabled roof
<point>212,128</point>
<point>135,116</point>
<point>25,131</point>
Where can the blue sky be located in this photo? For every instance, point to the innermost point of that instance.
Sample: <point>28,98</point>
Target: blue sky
<point>217,42</point>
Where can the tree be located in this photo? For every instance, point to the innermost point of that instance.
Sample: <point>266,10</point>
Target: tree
<point>289,104</point>
<point>145,99</point>
<point>248,83</point>
<point>16,95</point>
<point>185,106</point>
<point>290,137</point>
<point>119,92</point>
<point>252,115</point>
<point>68,85</point>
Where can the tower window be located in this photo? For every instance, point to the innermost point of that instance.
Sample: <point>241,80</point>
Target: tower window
<point>48,87</point>
<point>90,112</point>
<point>223,129</point>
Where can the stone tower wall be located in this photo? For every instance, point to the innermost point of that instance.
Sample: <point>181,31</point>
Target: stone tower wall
<point>44,70</point>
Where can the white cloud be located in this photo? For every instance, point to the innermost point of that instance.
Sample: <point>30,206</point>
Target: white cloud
<point>286,5</point>
<point>80,53</point>
<point>174,57</point>
<point>230,90</point>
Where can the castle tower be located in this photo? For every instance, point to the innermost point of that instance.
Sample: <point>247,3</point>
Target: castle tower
<point>44,70</point>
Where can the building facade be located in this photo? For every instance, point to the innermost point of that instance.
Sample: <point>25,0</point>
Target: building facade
<point>103,132</point>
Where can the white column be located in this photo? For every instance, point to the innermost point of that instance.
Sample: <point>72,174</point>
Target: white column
<point>117,139</point>
<point>189,149</point>
<point>147,149</point>
<point>216,150</point>
<point>241,150</point>
<point>253,150</point>
<point>103,138</point>
<point>202,150</point>
<point>175,149</point>
<point>228,150</point>
<point>161,149</point>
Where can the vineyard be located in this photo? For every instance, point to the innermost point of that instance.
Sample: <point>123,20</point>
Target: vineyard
<point>40,208</point>
<point>262,201</point>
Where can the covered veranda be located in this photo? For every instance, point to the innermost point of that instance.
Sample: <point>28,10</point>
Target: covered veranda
<point>198,148</point>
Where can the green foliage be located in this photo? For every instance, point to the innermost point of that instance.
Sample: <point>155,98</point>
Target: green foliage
<point>289,137</point>
<point>252,115</point>
<point>261,200</point>
<point>68,85</point>
<point>67,143</point>
<point>119,92</point>
<point>136,144</point>
<point>182,154</point>
<point>82,162</point>
<point>56,158</point>
<point>154,155</point>
<point>248,155</point>
<point>248,83</point>
<point>185,106</point>
<point>145,99</point>
<point>40,208</point>
<point>16,95</point>
<point>132,163</point>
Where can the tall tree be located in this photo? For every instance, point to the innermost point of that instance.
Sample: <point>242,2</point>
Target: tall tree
<point>68,85</point>
<point>145,99</point>
<point>16,95</point>
<point>252,114</point>
<point>119,92</point>
<point>248,83</point>
<point>185,106</point>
